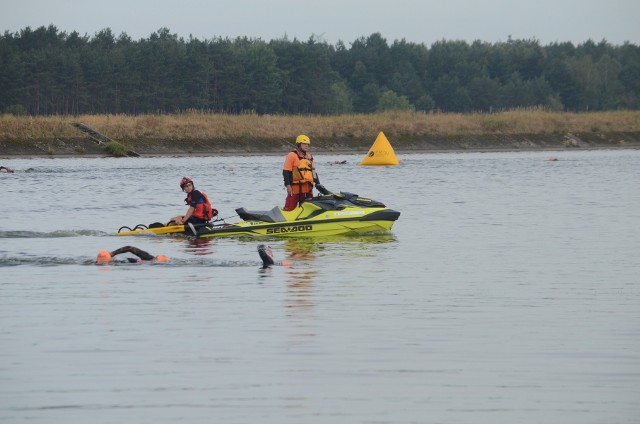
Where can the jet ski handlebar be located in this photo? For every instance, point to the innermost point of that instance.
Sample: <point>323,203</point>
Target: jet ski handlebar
<point>322,189</point>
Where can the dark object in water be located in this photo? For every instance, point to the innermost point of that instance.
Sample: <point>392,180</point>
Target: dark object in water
<point>266,254</point>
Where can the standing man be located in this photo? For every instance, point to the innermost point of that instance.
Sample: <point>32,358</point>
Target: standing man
<point>299,174</point>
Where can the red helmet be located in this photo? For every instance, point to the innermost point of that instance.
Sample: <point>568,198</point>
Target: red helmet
<point>184,181</point>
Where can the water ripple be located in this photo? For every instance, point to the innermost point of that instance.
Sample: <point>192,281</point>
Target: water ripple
<point>52,234</point>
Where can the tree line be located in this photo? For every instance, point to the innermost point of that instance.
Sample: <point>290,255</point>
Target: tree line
<point>47,72</point>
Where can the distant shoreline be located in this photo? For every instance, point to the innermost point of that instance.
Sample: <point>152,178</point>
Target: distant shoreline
<point>200,134</point>
<point>480,143</point>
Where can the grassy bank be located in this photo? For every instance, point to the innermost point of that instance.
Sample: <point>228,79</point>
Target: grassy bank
<point>189,131</point>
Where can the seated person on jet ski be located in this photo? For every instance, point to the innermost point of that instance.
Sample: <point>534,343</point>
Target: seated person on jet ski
<point>299,174</point>
<point>200,210</point>
<point>105,256</point>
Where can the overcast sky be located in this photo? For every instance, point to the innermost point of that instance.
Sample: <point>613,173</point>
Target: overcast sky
<point>418,21</point>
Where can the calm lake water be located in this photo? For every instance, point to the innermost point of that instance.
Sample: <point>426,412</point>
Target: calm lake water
<point>507,292</point>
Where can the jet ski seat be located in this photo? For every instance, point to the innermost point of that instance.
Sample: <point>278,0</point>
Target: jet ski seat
<point>305,211</point>
<point>274,215</point>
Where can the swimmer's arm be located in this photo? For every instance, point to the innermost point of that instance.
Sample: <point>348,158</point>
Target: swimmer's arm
<point>145,256</point>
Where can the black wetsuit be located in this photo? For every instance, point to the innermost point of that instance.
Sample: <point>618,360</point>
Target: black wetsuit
<point>145,256</point>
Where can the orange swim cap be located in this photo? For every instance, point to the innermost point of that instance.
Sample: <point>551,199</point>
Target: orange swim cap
<point>162,258</point>
<point>103,257</point>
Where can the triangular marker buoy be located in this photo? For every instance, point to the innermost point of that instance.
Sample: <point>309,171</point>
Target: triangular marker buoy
<point>380,153</point>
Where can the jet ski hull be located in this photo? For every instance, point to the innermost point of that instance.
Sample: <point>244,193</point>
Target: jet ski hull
<point>330,223</point>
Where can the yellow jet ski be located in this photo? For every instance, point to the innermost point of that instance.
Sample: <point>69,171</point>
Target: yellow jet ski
<point>324,215</point>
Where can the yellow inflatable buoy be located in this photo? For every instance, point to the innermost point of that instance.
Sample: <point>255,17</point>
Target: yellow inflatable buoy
<point>380,153</point>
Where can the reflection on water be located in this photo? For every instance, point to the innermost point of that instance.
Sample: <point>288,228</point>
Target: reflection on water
<point>200,246</point>
<point>300,276</point>
<point>302,253</point>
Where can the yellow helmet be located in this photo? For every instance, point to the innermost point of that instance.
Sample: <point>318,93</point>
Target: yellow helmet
<point>302,139</point>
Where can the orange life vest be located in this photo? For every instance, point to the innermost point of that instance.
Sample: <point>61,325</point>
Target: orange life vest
<point>202,210</point>
<point>208,209</point>
<point>303,171</point>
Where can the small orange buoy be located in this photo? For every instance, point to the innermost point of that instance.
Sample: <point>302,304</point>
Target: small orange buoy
<point>162,258</point>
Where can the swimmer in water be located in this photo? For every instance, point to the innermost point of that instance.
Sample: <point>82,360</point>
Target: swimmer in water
<point>266,254</point>
<point>105,257</point>
<point>6,170</point>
